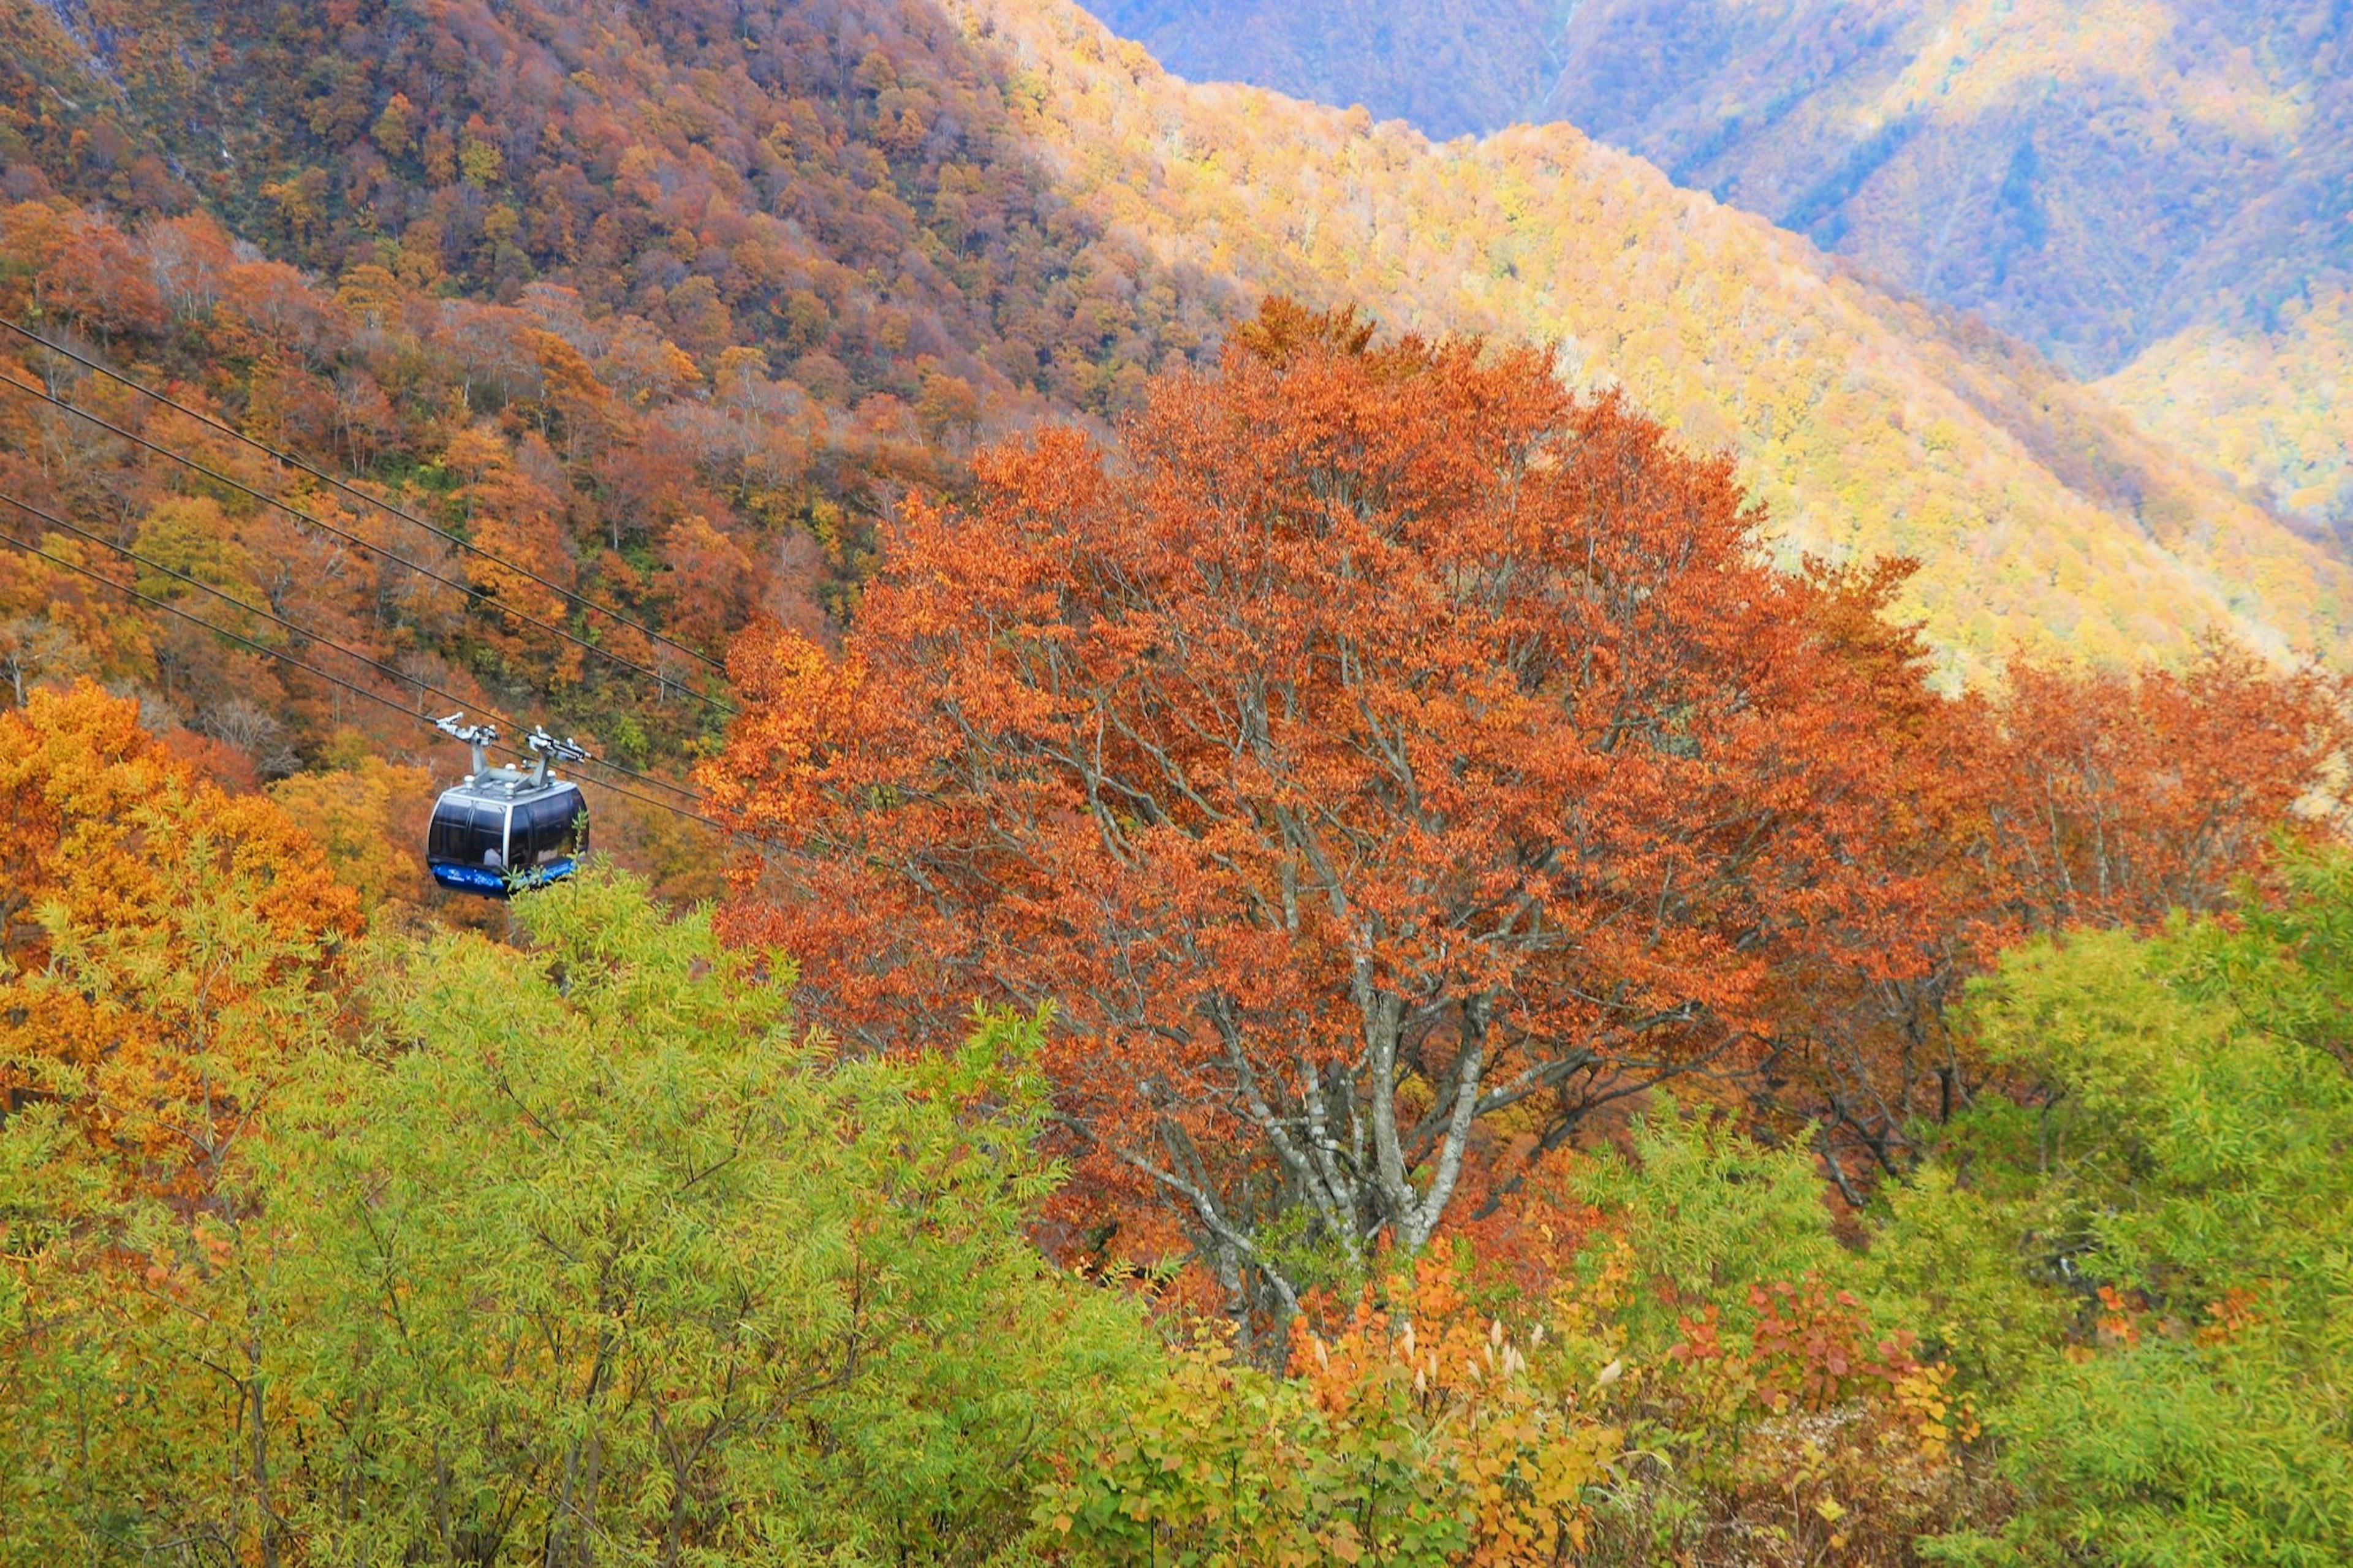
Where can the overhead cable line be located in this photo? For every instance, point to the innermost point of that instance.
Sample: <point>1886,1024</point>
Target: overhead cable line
<point>294,511</point>
<point>422,685</point>
<point>169,608</point>
<point>352,490</point>
<point>419,682</point>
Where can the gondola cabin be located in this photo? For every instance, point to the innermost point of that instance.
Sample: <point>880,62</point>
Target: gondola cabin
<point>504,828</point>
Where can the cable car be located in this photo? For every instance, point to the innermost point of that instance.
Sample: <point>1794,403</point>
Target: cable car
<point>505,828</point>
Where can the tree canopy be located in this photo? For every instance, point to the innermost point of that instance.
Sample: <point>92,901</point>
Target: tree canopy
<point>1384,759</point>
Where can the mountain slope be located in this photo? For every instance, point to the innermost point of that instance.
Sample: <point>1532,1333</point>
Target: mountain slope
<point>665,308</point>
<point>2093,175</point>
<point>2272,408</point>
<point>881,203</point>
<point>836,180</point>
<point>2044,522</point>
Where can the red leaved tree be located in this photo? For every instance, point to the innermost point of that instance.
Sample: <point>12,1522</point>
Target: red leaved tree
<point>2069,799</point>
<point>1383,743</point>
<point>2125,797</point>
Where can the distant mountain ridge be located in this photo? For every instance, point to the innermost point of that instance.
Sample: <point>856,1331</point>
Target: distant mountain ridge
<point>2092,175</point>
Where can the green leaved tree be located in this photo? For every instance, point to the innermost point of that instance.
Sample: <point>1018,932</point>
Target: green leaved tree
<point>2177,1180</point>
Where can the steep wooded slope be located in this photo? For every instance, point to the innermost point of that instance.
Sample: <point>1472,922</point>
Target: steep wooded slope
<point>665,304</point>
<point>2093,175</point>
<point>2044,522</point>
<point>837,180</point>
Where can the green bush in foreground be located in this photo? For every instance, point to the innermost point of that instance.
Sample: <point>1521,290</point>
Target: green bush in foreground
<point>582,1256</point>
<point>2182,1180</point>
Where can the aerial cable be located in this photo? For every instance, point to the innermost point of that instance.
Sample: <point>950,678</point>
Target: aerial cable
<point>355,492</point>
<point>385,670</point>
<point>376,665</point>
<point>169,608</point>
<point>302,632</point>
<point>468,589</point>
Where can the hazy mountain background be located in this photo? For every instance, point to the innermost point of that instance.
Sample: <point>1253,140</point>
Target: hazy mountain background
<point>2156,190</point>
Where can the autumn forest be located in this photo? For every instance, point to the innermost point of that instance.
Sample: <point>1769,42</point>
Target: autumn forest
<point>1301,846</point>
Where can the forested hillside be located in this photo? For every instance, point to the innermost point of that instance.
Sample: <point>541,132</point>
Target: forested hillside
<point>766,179</point>
<point>652,319</point>
<point>886,228</point>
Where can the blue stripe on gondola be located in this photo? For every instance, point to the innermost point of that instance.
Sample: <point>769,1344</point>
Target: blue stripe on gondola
<point>469,879</point>
<point>483,879</point>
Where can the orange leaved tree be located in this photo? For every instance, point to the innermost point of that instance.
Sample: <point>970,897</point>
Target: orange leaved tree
<point>2089,798</point>
<point>166,948</point>
<point>2125,797</point>
<point>1379,760</point>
